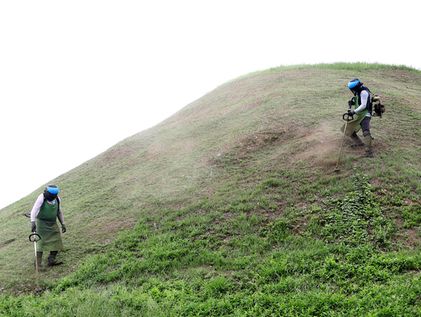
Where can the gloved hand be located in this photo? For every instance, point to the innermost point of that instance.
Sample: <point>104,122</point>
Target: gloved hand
<point>63,228</point>
<point>33,226</point>
<point>351,112</point>
<point>351,102</point>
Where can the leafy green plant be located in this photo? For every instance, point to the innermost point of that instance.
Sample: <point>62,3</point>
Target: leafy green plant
<point>355,219</point>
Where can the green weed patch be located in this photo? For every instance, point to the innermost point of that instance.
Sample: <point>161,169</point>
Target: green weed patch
<point>354,220</point>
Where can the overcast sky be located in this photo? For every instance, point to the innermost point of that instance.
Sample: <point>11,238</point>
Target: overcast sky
<point>76,77</point>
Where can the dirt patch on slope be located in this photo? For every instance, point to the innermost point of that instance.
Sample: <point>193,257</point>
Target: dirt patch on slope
<point>260,140</point>
<point>317,146</point>
<point>320,145</point>
<point>245,148</point>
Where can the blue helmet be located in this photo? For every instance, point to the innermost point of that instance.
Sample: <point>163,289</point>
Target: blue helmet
<point>354,83</point>
<point>53,189</point>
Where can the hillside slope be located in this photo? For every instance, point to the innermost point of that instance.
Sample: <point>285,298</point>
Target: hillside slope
<point>231,207</point>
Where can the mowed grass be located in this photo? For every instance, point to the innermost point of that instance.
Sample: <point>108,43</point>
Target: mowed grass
<point>231,207</point>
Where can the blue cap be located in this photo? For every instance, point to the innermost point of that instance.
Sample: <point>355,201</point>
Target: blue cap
<point>52,189</point>
<point>354,83</point>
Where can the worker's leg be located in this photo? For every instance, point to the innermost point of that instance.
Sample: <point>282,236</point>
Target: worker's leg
<point>365,125</point>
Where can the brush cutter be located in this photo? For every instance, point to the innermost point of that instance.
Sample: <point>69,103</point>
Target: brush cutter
<point>35,237</point>
<point>346,117</point>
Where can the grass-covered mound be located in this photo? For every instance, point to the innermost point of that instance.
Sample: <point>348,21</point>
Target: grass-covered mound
<point>232,208</point>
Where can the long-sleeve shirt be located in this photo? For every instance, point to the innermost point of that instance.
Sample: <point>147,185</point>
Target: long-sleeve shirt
<point>37,206</point>
<point>363,106</point>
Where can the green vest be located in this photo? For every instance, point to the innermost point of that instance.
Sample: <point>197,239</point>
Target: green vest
<point>362,114</point>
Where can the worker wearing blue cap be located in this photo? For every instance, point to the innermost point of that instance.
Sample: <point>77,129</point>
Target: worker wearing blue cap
<point>44,215</point>
<point>362,102</point>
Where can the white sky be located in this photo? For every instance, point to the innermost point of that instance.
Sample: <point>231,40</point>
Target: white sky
<point>76,76</point>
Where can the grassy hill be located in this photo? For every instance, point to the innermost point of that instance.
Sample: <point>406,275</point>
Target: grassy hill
<point>231,207</point>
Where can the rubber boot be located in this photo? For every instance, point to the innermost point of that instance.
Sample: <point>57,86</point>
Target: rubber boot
<point>39,262</point>
<point>52,259</point>
<point>356,139</point>
<point>368,146</point>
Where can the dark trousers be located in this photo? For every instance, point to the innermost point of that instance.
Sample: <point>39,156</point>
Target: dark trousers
<point>365,126</point>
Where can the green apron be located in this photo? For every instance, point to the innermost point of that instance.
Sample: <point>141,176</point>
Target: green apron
<point>354,125</point>
<point>48,229</point>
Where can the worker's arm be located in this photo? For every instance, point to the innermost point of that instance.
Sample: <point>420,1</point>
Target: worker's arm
<point>60,214</point>
<point>37,207</point>
<point>364,99</point>
<point>61,218</point>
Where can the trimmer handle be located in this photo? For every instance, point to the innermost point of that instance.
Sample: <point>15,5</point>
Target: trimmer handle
<point>347,117</point>
<point>34,237</point>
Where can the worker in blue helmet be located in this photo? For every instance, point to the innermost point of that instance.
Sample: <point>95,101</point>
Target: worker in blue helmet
<point>44,215</point>
<point>361,108</point>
